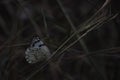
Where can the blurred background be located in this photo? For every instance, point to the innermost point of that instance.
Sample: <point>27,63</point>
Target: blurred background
<point>82,35</point>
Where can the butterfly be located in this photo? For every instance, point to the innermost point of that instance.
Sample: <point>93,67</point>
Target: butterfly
<point>37,51</point>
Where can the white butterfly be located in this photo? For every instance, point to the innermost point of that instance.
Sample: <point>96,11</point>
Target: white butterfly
<point>37,51</point>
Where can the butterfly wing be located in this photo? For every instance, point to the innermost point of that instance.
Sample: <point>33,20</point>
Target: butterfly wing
<point>38,51</point>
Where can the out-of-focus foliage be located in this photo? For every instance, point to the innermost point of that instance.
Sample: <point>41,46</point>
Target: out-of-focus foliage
<point>83,37</point>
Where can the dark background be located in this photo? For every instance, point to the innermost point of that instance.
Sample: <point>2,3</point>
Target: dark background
<point>21,20</point>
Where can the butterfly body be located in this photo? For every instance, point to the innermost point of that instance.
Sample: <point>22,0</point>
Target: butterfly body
<point>37,51</point>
